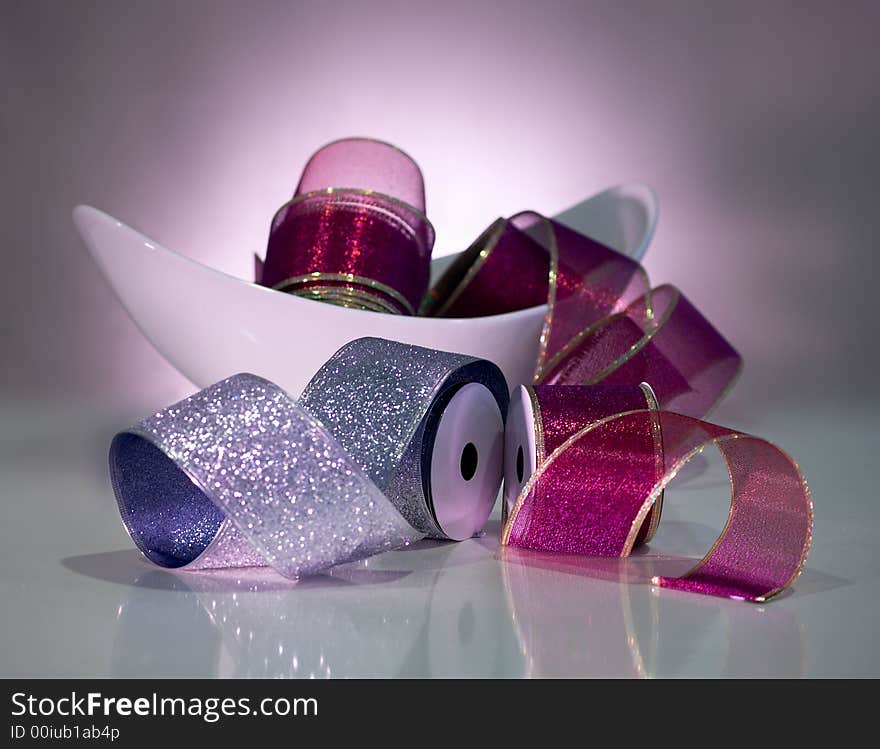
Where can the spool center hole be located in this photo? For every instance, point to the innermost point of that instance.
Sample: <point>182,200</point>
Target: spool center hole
<point>520,464</point>
<point>469,460</point>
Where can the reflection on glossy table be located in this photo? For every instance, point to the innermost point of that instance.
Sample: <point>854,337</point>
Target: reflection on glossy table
<point>78,600</point>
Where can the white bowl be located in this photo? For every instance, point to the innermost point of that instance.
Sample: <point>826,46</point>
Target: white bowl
<point>211,325</point>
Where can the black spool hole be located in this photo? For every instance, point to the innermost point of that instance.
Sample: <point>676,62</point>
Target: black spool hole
<point>520,464</point>
<point>469,460</point>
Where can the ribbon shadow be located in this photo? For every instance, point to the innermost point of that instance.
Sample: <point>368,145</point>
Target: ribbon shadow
<point>130,568</point>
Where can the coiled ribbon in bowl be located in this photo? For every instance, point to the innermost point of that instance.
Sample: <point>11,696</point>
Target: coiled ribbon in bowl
<point>355,232</point>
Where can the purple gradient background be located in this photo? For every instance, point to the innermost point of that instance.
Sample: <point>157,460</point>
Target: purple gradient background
<point>756,123</point>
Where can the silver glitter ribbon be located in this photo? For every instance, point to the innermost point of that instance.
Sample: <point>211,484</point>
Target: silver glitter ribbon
<point>240,474</point>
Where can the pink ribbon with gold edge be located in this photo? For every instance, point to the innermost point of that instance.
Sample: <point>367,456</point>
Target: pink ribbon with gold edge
<point>355,232</point>
<point>604,323</point>
<point>601,472</point>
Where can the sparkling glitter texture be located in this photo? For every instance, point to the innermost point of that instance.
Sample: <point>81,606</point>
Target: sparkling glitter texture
<point>592,494</point>
<point>240,474</point>
<point>382,400</point>
<point>561,411</point>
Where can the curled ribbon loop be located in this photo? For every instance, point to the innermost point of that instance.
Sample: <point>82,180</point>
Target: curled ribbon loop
<point>592,490</point>
<point>603,323</point>
<point>240,474</point>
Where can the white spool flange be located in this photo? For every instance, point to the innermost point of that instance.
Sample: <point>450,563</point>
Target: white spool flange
<point>466,465</point>
<point>520,451</point>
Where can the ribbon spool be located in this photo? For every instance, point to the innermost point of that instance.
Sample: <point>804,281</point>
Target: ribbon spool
<point>448,455</point>
<point>595,464</point>
<point>535,431</point>
<point>240,474</point>
<point>355,232</point>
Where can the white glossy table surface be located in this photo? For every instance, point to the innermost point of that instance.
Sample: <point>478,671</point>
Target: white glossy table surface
<point>77,600</point>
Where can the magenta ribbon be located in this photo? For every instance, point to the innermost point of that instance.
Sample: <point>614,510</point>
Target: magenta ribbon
<point>604,322</point>
<point>604,458</point>
<point>355,234</point>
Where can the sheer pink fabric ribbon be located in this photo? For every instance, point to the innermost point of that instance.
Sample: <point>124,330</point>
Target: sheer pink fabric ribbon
<point>604,459</point>
<point>604,323</point>
<point>355,232</point>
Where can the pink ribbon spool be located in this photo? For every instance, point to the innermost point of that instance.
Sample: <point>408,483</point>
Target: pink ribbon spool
<point>355,233</point>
